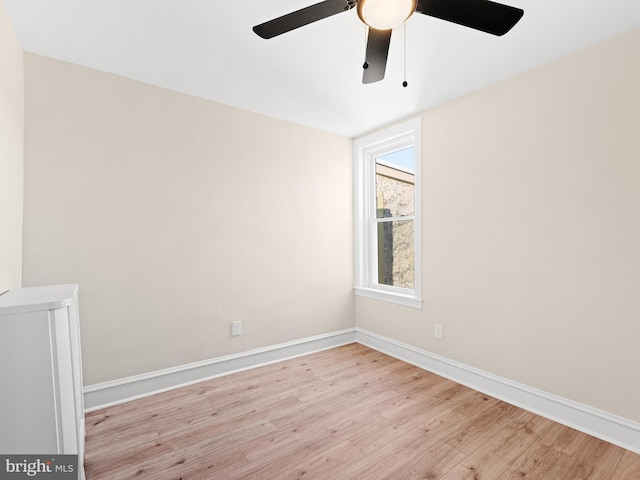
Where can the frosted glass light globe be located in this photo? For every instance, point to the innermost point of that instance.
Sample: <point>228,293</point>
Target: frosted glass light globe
<point>385,14</point>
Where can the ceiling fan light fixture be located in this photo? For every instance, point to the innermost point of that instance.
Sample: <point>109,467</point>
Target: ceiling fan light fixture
<point>385,14</point>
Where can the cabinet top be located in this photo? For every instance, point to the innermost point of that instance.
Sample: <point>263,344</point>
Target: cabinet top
<point>33,299</point>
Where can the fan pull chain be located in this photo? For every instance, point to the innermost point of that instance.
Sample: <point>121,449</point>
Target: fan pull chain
<point>365,65</point>
<point>404,30</point>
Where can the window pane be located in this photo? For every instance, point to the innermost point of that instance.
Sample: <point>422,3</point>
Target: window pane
<point>395,253</point>
<point>401,159</point>
<point>395,184</point>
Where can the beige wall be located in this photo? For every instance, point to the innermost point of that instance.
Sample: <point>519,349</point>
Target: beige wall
<point>531,230</point>
<point>177,216</point>
<point>11,154</point>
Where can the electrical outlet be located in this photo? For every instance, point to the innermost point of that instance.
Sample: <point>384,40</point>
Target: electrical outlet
<point>236,328</point>
<point>437,331</point>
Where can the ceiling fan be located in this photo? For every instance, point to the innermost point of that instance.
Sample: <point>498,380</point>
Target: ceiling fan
<point>381,16</point>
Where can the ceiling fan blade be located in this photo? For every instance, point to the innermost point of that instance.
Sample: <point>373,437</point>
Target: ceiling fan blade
<point>376,56</point>
<point>483,15</point>
<point>302,17</point>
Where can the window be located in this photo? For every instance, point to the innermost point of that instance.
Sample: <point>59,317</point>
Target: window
<point>387,214</point>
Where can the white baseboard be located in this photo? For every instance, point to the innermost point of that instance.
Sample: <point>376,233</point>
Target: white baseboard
<point>606,426</point>
<point>114,392</point>
<point>611,428</point>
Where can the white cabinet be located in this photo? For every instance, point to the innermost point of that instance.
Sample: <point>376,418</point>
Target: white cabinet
<point>41,400</point>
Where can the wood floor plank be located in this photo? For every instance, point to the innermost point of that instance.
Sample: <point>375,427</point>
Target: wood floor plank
<point>285,457</point>
<point>287,440</point>
<point>345,413</point>
<point>629,467</point>
<point>538,462</point>
<point>329,463</point>
<point>119,436</point>
<point>202,464</point>
<point>563,439</point>
<point>490,451</point>
<point>320,406</point>
<point>595,460</point>
<point>474,432</point>
<point>182,415</point>
<point>134,463</point>
<point>387,430</point>
<point>208,437</point>
<point>384,461</point>
<point>428,463</point>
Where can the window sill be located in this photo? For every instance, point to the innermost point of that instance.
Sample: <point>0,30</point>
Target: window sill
<point>392,297</point>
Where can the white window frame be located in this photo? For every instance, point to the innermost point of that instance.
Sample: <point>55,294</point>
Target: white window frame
<point>365,151</point>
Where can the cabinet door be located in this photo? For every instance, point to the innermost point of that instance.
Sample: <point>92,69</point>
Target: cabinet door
<point>27,414</point>
<point>66,383</point>
<point>76,358</point>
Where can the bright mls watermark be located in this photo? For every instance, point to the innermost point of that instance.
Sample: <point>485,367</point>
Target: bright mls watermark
<point>49,467</point>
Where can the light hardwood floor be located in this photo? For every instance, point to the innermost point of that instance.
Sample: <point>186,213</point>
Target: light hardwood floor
<point>346,413</point>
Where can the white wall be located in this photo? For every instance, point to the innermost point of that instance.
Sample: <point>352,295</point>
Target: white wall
<point>531,230</point>
<point>11,154</point>
<point>176,216</point>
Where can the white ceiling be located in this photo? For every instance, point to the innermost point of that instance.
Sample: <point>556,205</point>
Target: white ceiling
<point>312,75</point>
